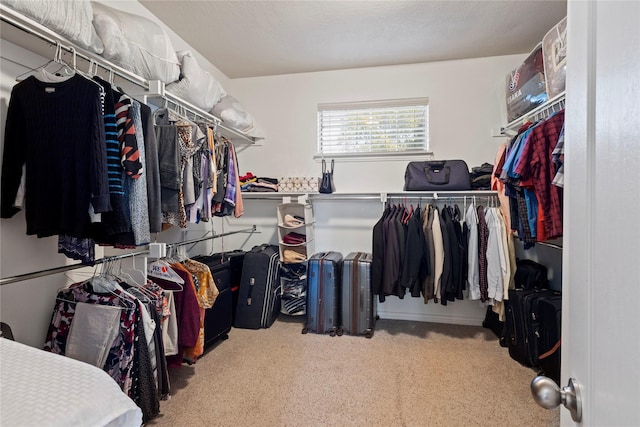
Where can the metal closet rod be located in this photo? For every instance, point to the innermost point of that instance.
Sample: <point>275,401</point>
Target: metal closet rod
<point>188,107</point>
<point>61,269</point>
<point>180,103</point>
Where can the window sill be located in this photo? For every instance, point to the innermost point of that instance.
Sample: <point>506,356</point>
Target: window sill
<point>376,157</point>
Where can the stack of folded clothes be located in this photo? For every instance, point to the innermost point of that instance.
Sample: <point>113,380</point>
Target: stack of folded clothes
<point>293,278</point>
<point>293,220</point>
<point>481,177</point>
<point>294,238</point>
<point>251,183</point>
<point>294,255</point>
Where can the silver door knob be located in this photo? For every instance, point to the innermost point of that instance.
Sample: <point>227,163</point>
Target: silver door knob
<point>547,394</point>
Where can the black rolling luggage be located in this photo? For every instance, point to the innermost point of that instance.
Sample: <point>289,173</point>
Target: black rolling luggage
<point>521,324</point>
<point>235,259</point>
<point>323,293</point>
<point>549,316</point>
<point>217,319</point>
<point>259,295</point>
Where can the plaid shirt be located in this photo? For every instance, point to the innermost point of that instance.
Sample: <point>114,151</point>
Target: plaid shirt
<point>536,164</point>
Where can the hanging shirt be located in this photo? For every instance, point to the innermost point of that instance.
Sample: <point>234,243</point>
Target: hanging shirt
<point>483,238</point>
<point>473,260</point>
<point>428,282</point>
<point>439,253</point>
<point>57,131</point>
<point>536,163</point>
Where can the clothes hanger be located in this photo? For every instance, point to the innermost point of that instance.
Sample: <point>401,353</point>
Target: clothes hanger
<point>161,269</point>
<point>57,59</point>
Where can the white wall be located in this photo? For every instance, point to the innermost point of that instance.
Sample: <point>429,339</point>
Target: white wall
<point>466,101</point>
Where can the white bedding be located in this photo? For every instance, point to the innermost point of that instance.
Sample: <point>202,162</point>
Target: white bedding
<point>69,18</point>
<point>39,388</point>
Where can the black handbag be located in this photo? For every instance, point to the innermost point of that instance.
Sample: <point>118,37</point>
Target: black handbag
<point>437,175</point>
<point>326,183</point>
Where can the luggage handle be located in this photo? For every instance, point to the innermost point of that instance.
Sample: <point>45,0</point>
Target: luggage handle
<point>437,174</point>
<point>252,282</point>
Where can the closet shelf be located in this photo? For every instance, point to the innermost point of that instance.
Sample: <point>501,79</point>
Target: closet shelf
<point>153,89</point>
<point>541,112</point>
<point>382,196</point>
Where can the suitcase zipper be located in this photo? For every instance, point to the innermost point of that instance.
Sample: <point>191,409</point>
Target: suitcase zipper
<point>319,326</point>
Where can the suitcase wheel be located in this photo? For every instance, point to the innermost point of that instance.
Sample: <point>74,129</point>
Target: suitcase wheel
<point>332,333</point>
<point>305,330</point>
<point>368,334</point>
<point>339,332</point>
<point>224,337</point>
<point>377,317</point>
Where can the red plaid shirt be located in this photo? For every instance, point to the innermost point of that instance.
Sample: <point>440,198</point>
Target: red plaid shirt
<point>536,164</point>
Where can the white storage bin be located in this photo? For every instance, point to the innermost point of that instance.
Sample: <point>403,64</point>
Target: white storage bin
<point>554,50</point>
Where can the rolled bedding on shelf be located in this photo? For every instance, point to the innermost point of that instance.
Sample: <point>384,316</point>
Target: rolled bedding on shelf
<point>136,43</point>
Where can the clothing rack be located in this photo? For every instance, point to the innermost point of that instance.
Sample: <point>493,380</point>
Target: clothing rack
<point>201,115</point>
<point>383,197</point>
<point>61,269</point>
<point>543,111</point>
<point>153,89</point>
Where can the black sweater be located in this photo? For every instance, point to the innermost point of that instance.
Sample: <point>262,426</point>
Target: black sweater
<point>57,131</point>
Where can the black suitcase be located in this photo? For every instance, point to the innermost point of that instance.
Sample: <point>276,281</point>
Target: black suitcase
<point>323,293</point>
<point>259,295</point>
<point>521,324</point>
<point>218,319</point>
<point>235,259</point>
<point>549,317</point>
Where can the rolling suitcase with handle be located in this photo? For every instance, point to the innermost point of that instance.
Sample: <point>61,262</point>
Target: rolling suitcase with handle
<point>548,333</point>
<point>259,295</point>
<point>358,305</point>
<point>521,324</point>
<point>218,319</point>
<point>323,293</point>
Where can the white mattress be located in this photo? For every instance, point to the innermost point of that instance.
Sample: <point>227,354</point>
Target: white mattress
<point>39,388</point>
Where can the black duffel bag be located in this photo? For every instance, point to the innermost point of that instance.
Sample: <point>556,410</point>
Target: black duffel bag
<point>530,275</point>
<point>437,175</point>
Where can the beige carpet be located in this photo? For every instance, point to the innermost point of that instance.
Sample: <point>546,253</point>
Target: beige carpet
<point>408,374</point>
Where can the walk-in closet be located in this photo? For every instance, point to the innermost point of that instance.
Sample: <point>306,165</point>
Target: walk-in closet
<point>171,169</point>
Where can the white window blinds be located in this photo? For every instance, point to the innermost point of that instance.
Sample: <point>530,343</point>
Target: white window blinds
<point>375,127</point>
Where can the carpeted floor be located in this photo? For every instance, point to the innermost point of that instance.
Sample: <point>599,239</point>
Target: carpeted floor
<point>408,374</point>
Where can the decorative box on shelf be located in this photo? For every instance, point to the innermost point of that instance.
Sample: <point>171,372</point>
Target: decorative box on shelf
<point>298,184</point>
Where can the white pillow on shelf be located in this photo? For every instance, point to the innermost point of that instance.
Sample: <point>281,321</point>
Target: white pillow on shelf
<point>233,114</point>
<point>68,18</point>
<point>196,85</point>
<point>136,43</point>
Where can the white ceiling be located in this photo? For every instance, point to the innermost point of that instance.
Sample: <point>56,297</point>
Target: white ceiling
<point>260,38</point>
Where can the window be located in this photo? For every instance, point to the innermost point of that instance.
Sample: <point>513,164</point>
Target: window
<point>361,129</point>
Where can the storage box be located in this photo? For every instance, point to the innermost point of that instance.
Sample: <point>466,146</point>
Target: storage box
<point>298,185</point>
<point>526,88</point>
<point>554,51</point>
